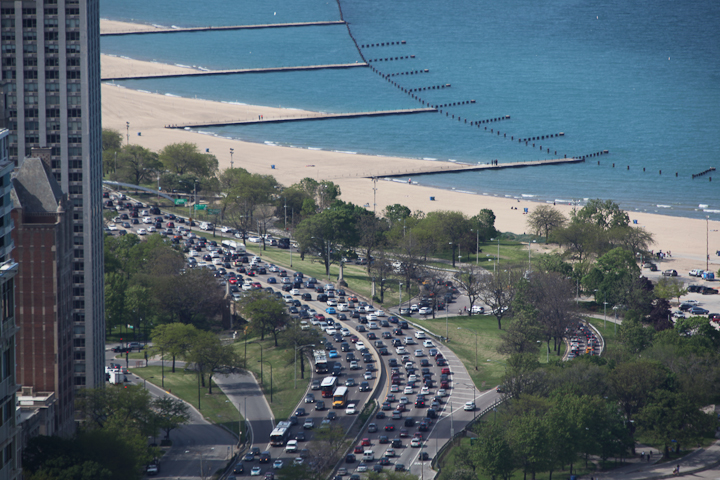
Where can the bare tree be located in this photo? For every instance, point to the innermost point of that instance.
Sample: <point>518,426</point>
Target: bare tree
<point>408,260</point>
<point>551,296</point>
<point>544,219</point>
<point>381,270</point>
<point>327,447</point>
<point>433,285</point>
<point>498,291</point>
<point>471,279</point>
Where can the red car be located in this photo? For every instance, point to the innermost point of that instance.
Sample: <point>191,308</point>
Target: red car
<point>358,449</point>
<point>232,281</point>
<point>256,285</point>
<point>352,298</point>
<point>354,339</point>
<point>445,370</point>
<point>365,442</point>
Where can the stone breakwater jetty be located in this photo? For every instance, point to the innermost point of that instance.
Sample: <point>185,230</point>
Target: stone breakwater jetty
<point>443,167</point>
<point>308,117</point>
<point>237,71</point>
<point>222,28</point>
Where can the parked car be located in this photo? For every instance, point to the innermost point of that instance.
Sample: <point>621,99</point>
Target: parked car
<point>670,273</point>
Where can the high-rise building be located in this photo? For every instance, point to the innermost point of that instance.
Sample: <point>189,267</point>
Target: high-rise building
<point>9,431</point>
<point>50,53</point>
<point>43,235</point>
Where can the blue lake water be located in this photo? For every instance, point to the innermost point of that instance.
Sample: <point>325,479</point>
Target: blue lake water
<point>639,79</point>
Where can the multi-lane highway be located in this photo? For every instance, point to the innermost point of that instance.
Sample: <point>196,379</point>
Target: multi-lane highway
<point>404,358</point>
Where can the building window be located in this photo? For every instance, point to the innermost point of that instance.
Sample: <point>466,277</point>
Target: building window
<point>52,62</point>
<point>29,23</point>
<point>79,381</point>
<point>73,62</point>
<point>72,23</point>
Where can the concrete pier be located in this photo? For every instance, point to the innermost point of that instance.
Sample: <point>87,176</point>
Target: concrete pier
<point>444,167</point>
<point>318,116</point>
<point>201,73</point>
<point>223,28</point>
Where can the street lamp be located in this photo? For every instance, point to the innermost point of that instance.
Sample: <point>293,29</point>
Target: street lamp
<point>296,349</point>
<point>127,125</point>
<point>477,246</point>
<point>400,297</point>
<point>476,344</point>
<point>605,313</point>
<point>271,385</point>
<point>547,357</point>
<point>452,254</point>
<point>498,254</point>
<point>232,150</point>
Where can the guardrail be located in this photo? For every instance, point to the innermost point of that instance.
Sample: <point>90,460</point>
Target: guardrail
<point>435,463</point>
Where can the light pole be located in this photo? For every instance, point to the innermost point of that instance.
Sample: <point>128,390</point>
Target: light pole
<point>547,356</point>
<point>477,246</point>
<point>261,362</point>
<point>400,297</point>
<point>605,313</point>
<point>498,254</point>
<point>447,333</point>
<point>529,262</point>
<point>127,126</point>
<point>232,150</point>
<point>707,242</point>
<point>296,349</point>
<point>452,252</point>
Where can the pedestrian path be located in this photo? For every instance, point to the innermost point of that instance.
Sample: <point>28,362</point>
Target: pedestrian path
<point>703,459</point>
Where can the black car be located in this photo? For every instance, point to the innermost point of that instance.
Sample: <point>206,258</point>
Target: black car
<point>396,443</point>
<point>364,386</point>
<point>239,468</point>
<point>409,422</point>
<point>399,467</point>
<point>350,458</point>
<point>377,468</point>
<point>383,439</point>
<point>380,415</point>
<point>300,436</point>
<point>331,416</point>
<point>249,457</point>
<point>320,405</point>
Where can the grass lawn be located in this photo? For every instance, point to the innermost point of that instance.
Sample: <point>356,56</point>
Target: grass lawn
<point>216,408</point>
<point>463,332</point>
<point>285,396</point>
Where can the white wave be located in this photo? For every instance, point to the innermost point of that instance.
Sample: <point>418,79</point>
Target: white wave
<point>202,132</point>
<point>314,148</point>
<point>466,191</point>
<point>157,25</point>
<point>452,160</point>
<point>663,206</point>
<point>186,128</point>
<point>171,95</point>
<point>710,210</point>
<point>182,66</point>
<point>144,91</point>
<point>702,205</point>
<point>174,26</point>
<point>127,58</point>
<point>484,193</point>
<point>349,153</point>
<point>527,195</point>
<point>560,200</point>
<point>203,69</point>
<point>508,196</point>
<point>429,158</point>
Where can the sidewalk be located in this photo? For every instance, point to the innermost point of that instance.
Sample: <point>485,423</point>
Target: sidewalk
<point>697,461</point>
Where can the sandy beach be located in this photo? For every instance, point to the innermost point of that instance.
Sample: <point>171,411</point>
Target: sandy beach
<point>149,113</point>
<point>113,26</point>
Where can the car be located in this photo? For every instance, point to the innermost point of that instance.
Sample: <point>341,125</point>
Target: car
<point>309,398</point>
<point>351,409</point>
<point>364,386</point>
<point>394,388</point>
<point>416,442</point>
<point>330,311</point>
<point>378,468</point>
<point>256,471</point>
<point>309,423</point>
<point>300,412</point>
<point>368,375</point>
<point>315,385</point>
<point>670,273</point>
<point>383,439</point>
<point>698,311</point>
<point>399,467</point>
<point>390,452</point>
<point>333,354</point>
<point>362,467</point>
<point>397,414</point>
<point>331,416</point>
<point>469,406</point>
<point>359,448</point>
<point>350,382</point>
<point>248,457</point>
<point>408,390</point>
<point>278,464</point>
<point>298,461</point>
<point>350,458</point>
<point>320,405</point>
<point>342,471</point>
<point>390,427</point>
<point>372,428</point>
<point>419,353</point>
<point>380,415</point>
<point>400,350</point>
<point>239,468</point>
<point>425,310</point>
<point>428,344</point>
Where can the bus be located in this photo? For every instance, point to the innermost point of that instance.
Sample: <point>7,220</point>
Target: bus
<point>328,386</point>
<point>280,434</point>
<point>321,365</point>
<point>340,397</point>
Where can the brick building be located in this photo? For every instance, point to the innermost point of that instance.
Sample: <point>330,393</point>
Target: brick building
<point>43,236</point>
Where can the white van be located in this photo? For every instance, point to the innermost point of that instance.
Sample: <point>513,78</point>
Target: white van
<point>291,446</point>
<point>368,456</point>
<point>231,244</point>
<point>206,226</point>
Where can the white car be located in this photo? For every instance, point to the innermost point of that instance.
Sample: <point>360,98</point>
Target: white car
<point>372,317</point>
<point>147,220</point>
<point>691,302</point>
<point>112,227</point>
<point>291,446</point>
<point>331,303</point>
<point>404,401</point>
<point>350,410</point>
<point>394,388</point>
<point>373,325</point>
<point>412,378</point>
<point>442,393</point>
<point>151,229</point>
<point>368,376</point>
<point>425,311</point>
<point>425,391</point>
<point>247,286</point>
<point>361,468</point>
<point>359,345</point>
<point>345,332</point>
<point>469,406</point>
<point>278,464</point>
<point>380,313</point>
<point>253,239</point>
<point>225,229</point>
<point>255,472</point>
<point>294,291</point>
<point>419,353</point>
<point>415,442</point>
<point>142,231</point>
<point>343,307</point>
<point>400,350</point>
<point>428,344</point>
<point>309,423</point>
<point>419,334</point>
<point>369,308</point>
<point>298,461</point>
<point>288,298</point>
<point>408,390</point>
<point>477,309</point>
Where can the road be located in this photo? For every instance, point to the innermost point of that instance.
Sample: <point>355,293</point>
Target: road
<point>199,443</point>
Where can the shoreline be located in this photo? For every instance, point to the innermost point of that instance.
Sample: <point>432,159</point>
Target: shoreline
<point>149,113</point>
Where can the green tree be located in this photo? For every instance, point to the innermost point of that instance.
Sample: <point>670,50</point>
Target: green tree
<point>673,418</point>
<point>264,312</point>
<point>605,214</point>
<point>245,194</point>
<point>448,228</point>
<point>635,336</point>
<point>544,219</point>
<point>612,276</point>
<point>177,299</point>
<point>493,453</point>
<point>210,356</point>
<point>528,440</point>
<point>176,339</point>
<point>396,213</point>
<point>182,158</point>
<point>136,165</point>
<point>669,288</point>
<point>484,222</point>
<point>170,413</point>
